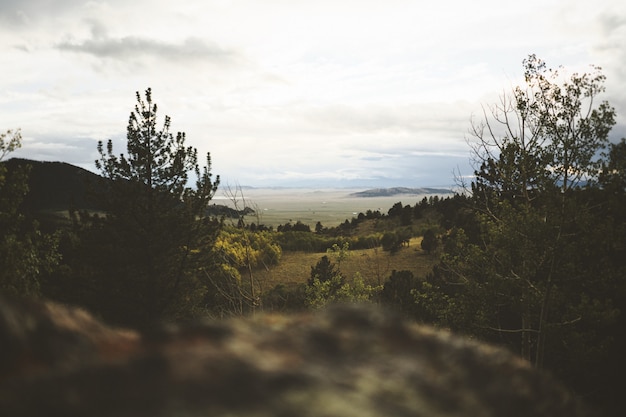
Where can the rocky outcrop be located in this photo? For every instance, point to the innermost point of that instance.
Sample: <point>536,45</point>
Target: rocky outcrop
<point>344,361</point>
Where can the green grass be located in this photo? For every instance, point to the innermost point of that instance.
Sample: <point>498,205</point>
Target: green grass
<point>374,265</point>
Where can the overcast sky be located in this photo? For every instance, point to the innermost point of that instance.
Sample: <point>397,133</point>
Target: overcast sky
<point>284,92</point>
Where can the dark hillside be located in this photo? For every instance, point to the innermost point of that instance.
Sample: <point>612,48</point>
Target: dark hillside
<point>57,185</point>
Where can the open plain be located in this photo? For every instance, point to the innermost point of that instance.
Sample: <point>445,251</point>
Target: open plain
<point>330,206</point>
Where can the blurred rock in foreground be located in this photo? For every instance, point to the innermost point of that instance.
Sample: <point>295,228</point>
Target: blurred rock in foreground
<point>350,361</point>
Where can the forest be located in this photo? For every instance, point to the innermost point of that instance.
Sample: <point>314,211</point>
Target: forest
<point>530,254</point>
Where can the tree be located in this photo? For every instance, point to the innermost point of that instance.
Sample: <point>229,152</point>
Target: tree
<point>524,279</point>
<point>390,242</point>
<point>613,172</point>
<point>430,241</point>
<point>395,210</point>
<point>396,292</point>
<point>547,134</point>
<point>156,235</point>
<point>25,252</point>
<point>241,250</point>
<point>552,135</point>
<point>325,270</point>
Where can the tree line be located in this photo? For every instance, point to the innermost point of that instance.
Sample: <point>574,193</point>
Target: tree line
<point>538,261</point>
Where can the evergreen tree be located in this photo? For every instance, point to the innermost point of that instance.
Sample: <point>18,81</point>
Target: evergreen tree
<point>430,241</point>
<point>325,270</point>
<point>155,236</point>
<point>397,291</point>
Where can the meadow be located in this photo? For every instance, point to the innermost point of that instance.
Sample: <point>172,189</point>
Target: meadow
<point>331,207</point>
<point>275,206</point>
<point>374,265</point>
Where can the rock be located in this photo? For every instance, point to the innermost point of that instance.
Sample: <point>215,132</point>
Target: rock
<point>344,361</point>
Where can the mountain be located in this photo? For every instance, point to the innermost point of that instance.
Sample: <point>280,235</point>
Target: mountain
<point>57,185</point>
<point>390,192</point>
<point>60,186</point>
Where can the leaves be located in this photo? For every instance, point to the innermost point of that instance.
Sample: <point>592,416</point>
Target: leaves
<point>156,234</point>
<point>25,252</point>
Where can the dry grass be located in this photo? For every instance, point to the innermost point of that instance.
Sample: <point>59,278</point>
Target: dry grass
<point>374,265</point>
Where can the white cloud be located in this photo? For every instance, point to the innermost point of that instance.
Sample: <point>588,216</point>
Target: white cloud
<point>296,89</point>
<point>132,48</point>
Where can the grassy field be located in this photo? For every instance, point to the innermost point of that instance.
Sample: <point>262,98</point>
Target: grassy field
<point>374,265</point>
<point>328,206</point>
<point>331,208</point>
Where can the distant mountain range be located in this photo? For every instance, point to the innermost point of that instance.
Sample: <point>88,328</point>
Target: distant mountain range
<point>390,192</point>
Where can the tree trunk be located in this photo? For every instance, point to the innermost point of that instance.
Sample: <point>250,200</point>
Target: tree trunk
<point>526,326</point>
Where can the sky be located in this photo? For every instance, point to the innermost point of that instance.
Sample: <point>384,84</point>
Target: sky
<point>315,93</point>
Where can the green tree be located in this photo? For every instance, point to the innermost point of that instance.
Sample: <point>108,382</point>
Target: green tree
<point>240,251</point>
<point>574,126</point>
<point>327,283</point>
<point>339,252</point>
<point>430,242</point>
<point>26,253</point>
<point>547,134</point>
<point>155,235</point>
<point>534,150</point>
<point>535,273</point>
<point>336,290</point>
<point>613,172</point>
<point>397,290</point>
<point>390,242</point>
<point>325,270</point>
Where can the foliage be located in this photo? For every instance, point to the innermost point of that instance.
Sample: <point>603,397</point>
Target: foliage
<point>328,285</point>
<point>227,294</point>
<point>547,135</point>
<point>393,241</point>
<point>534,265</point>
<point>25,252</point>
<point>397,290</point>
<point>255,249</point>
<point>404,213</point>
<point>9,142</point>
<point>430,242</point>
<point>340,253</point>
<point>326,271</point>
<point>315,242</point>
<point>282,297</point>
<point>150,246</point>
<point>298,227</point>
<point>525,192</point>
<point>322,293</point>
<point>613,172</point>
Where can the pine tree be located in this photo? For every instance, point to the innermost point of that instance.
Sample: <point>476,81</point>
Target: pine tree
<point>155,234</point>
<point>430,241</point>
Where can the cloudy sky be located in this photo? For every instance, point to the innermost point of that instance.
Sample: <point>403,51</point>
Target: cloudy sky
<point>285,92</point>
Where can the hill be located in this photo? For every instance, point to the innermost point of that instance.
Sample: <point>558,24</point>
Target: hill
<point>57,185</point>
<point>390,192</point>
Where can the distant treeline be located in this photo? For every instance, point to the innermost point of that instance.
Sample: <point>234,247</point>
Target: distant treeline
<point>220,210</point>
